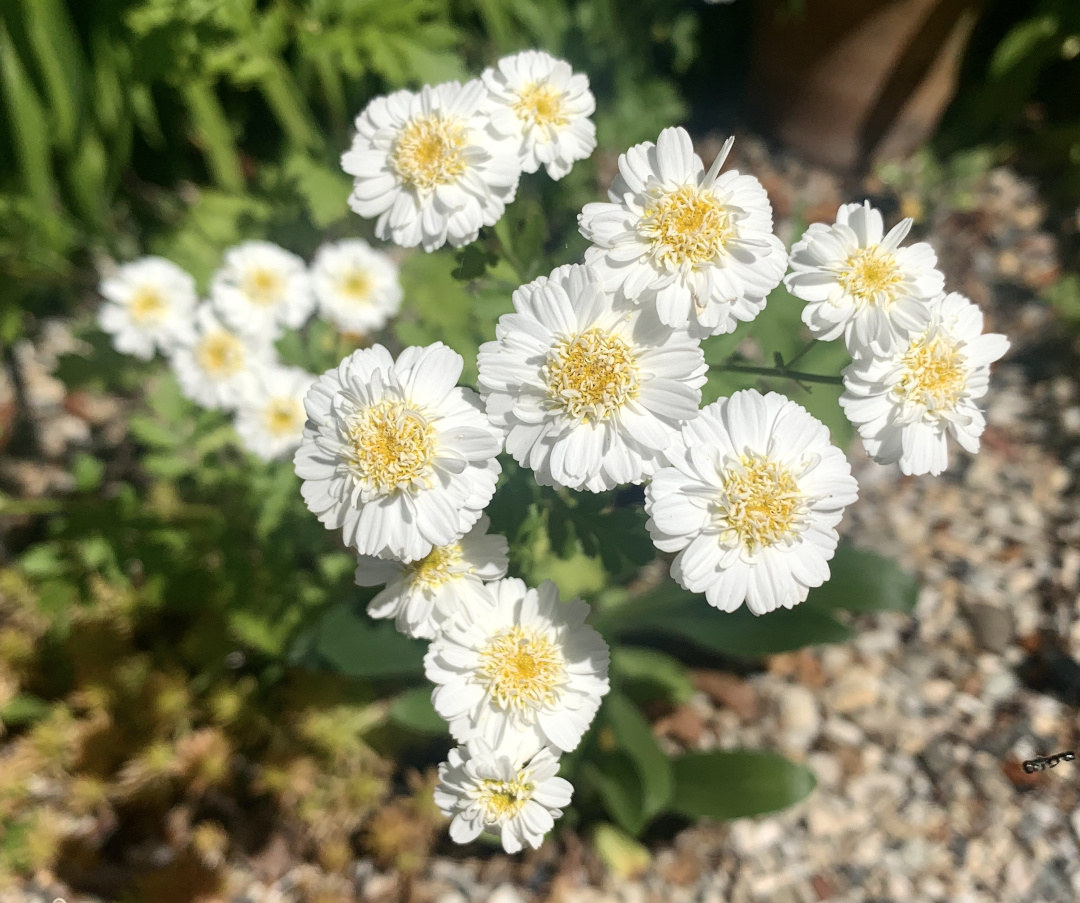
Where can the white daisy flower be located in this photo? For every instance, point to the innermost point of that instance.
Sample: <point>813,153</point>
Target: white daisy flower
<point>501,791</point>
<point>698,244</point>
<point>544,107</point>
<point>356,287</point>
<point>530,665</point>
<point>216,366</point>
<point>270,414</point>
<point>750,503</point>
<point>420,596</point>
<point>590,393</point>
<point>427,167</point>
<point>150,304</point>
<point>859,282</point>
<point>396,453</point>
<point>261,288</point>
<point>904,404</point>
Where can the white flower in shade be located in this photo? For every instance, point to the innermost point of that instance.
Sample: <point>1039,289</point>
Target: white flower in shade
<point>859,283</point>
<point>529,665</point>
<point>544,107</point>
<point>427,167</point>
<point>150,304</point>
<point>356,287</point>
<point>906,403</point>
<point>216,366</point>
<point>501,791</point>
<point>751,503</point>
<point>262,288</point>
<point>591,393</point>
<point>270,413</point>
<point>396,453</point>
<point>698,244</point>
<point>420,596</point>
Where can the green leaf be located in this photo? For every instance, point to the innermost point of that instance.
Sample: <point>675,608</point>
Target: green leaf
<point>413,709</point>
<point>633,736</point>
<point>619,785</point>
<point>1023,41</point>
<point>27,122</point>
<point>348,642</point>
<point>623,855</point>
<point>23,709</point>
<point>52,36</point>
<point>674,612</point>
<point>865,581</point>
<point>88,472</point>
<point>647,675</point>
<point>325,190</point>
<point>737,784</point>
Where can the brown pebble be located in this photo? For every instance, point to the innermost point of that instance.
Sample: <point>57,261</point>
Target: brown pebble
<point>685,726</point>
<point>728,691</point>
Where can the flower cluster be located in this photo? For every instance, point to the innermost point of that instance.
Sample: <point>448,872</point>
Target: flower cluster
<point>920,360</point>
<point>222,350</point>
<point>404,461</point>
<point>435,166</point>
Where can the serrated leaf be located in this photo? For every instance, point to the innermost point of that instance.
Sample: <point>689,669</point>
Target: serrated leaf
<point>737,784</point>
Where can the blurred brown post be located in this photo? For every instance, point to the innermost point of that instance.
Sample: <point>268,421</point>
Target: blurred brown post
<point>849,82</point>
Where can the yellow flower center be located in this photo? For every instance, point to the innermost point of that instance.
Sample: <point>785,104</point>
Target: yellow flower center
<point>540,104</point>
<point>263,287</point>
<point>284,417</point>
<point>504,799</point>
<point>760,504</point>
<point>933,373</point>
<point>392,445</point>
<point>870,276</point>
<point>430,151</point>
<point>521,669</point>
<point>356,285</point>
<point>591,375</point>
<point>147,304</point>
<point>687,226</point>
<point>434,568</point>
<point>221,355</point>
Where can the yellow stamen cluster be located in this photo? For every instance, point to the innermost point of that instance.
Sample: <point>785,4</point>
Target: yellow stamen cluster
<point>221,354</point>
<point>434,568</point>
<point>147,304</point>
<point>392,445</point>
<point>356,285</point>
<point>933,373</point>
<point>591,375</point>
<point>521,669</point>
<point>870,275</point>
<point>541,104</point>
<point>284,417</point>
<point>263,287</point>
<point>687,226</point>
<point>760,504</point>
<point>430,151</point>
<point>502,800</point>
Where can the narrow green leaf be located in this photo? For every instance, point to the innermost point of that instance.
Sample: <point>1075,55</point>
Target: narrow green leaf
<point>634,737</point>
<point>618,783</point>
<point>1024,40</point>
<point>213,134</point>
<point>647,674</point>
<point>350,643</point>
<point>865,581</point>
<point>737,784</point>
<point>59,59</point>
<point>28,123</point>
<point>413,709</point>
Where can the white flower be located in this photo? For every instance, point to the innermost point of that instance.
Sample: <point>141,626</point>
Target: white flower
<point>270,412</point>
<point>502,791</point>
<point>262,288</point>
<point>860,284</point>
<point>590,393</point>
<point>539,102</point>
<point>150,304</point>
<point>422,595</point>
<point>395,453</point>
<point>356,286</point>
<point>427,167</point>
<point>904,404</point>
<point>530,665</point>
<point>750,503</point>
<point>698,244</point>
<point>217,366</point>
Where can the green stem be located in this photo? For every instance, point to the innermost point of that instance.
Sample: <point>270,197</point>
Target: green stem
<point>783,373</point>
